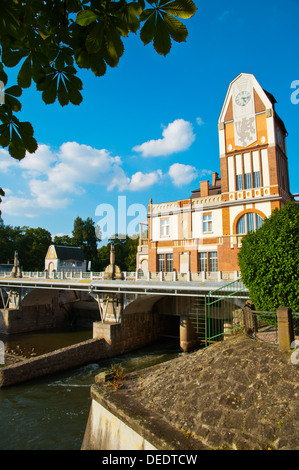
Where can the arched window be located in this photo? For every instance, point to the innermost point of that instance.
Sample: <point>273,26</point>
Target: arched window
<point>249,223</point>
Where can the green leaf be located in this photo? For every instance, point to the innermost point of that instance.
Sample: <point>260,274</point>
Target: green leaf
<point>11,58</point>
<point>26,128</point>
<point>86,17</point>
<point>75,97</point>
<point>97,65</point>
<point>4,135</point>
<point>114,48</point>
<point>148,30</point>
<point>14,90</point>
<point>162,42</point>
<point>184,9</point>
<point>95,38</point>
<point>12,103</point>
<point>50,91</point>
<point>25,74</point>
<point>161,25</point>
<point>62,93</point>
<point>17,152</point>
<point>177,30</point>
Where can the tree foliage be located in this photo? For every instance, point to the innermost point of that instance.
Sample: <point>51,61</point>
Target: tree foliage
<point>49,40</point>
<point>269,260</point>
<point>30,243</point>
<point>84,237</point>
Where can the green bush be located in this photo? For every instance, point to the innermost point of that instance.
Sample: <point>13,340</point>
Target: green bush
<point>269,260</point>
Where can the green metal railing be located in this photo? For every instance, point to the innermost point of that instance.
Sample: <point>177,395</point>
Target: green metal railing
<point>219,313</point>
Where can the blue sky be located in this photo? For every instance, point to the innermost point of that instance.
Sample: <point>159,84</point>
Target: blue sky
<point>148,128</point>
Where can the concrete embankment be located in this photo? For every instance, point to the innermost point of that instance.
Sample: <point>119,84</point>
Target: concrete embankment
<point>62,359</point>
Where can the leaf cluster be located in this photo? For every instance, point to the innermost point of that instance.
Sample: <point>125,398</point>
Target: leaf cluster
<point>49,40</point>
<point>269,260</point>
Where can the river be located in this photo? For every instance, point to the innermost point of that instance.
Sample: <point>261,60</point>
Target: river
<point>51,413</point>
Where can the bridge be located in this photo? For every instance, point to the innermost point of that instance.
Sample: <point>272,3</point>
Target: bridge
<point>36,301</point>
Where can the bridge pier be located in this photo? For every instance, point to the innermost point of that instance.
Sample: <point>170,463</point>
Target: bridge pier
<point>188,336</point>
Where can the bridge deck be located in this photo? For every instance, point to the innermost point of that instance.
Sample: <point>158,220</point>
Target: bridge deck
<point>127,287</point>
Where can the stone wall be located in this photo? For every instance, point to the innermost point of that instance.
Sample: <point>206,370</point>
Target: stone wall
<point>135,331</point>
<point>56,361</point>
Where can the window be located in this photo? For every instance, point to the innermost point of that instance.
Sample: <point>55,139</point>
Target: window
<point>165,228</point>
<point>203,262</point>
<point>213,261</point>
<point>248,181</point>
<point>257,179</point>
<point>161,263</point>
<point>208,262</point>
<point>169,262</point>
<point>207,223</point>
<point>249,223</point>
<point>239,182</point>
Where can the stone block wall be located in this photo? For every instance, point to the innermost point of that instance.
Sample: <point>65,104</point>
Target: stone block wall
<point>62,359</point>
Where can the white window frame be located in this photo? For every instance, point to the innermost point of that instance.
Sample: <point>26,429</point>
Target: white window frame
<point>207,223</point>
<point>165,228</point>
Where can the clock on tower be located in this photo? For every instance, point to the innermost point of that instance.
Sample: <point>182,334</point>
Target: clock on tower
<point>244,112</point>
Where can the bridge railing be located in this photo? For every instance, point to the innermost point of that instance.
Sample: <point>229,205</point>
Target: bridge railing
<point>133,276</point>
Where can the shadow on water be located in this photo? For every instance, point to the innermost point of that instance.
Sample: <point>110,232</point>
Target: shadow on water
<point>51,413</point>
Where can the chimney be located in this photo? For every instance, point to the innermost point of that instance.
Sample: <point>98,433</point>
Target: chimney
<point>204,188</point>
<point>215,177</point>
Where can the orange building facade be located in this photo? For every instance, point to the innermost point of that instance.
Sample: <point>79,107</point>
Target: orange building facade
<point>201,235</point>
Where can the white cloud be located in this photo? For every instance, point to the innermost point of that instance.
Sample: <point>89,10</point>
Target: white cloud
<point>205,172</point>
<point>177,137</point>
<point>199,121</point>
<point>17,206</point>
<point>182,174</point>
<point>38,162</point>
<point>6,161</point>
<point>138,182</point>
<point>54,179</point>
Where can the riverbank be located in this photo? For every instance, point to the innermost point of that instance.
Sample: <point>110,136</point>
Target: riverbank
<point>238,394</point>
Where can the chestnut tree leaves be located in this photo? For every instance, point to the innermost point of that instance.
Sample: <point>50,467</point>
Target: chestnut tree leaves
<point>48,40</point>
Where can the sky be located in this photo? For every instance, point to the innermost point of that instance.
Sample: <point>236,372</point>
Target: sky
<point>149,127</point>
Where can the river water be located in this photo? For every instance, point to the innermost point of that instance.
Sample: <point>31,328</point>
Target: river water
<point>51,413</point>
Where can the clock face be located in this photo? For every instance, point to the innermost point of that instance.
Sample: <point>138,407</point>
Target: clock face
<point>243,98</point>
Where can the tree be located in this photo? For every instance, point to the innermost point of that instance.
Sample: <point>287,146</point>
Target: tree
<point>125,253</point>
<point>63,240</point>
<point>84,236</point>
<point>30,243</point>
<point>269,260</point>
<point>9,242</point>
<point>32,248</point>
<point>49,40</point>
